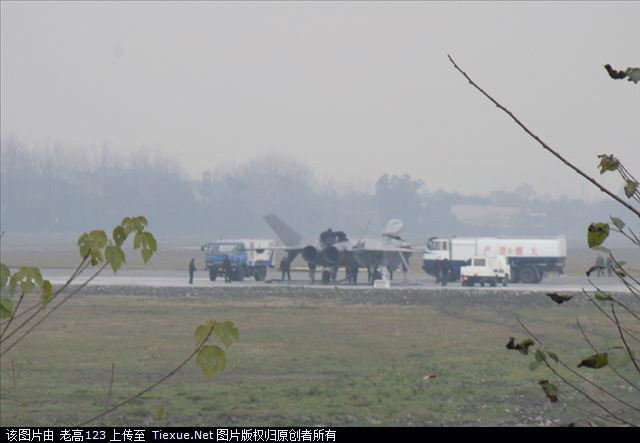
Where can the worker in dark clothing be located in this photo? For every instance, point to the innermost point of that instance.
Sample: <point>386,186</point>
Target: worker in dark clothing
<point>312,272</point>
<point>192,270</point>
<point>600,265</point>
<point>285,267</point>
<point>405,270</point>
<point>226,264</point>
<point>445,269</point>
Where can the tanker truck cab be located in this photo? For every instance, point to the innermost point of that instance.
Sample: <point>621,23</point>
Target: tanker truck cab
<point>438,249</point>
<point>456,250</point>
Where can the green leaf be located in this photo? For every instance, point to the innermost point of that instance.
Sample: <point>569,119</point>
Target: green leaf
<point>633,74</point>
<point>137,240</point>
<point>119,235</point>
<point>539,356</point>
<point>550,390</point>
<point>597,233</point>
<point>595,361</point>
<point>99,238</point>
<point>96,257</point>
<point>91,244</point>
<point>140,223</point>
<point>146,254</point>
<point>601,296</point>
<point>13,282</point>
<point>5,273</point>
<point>115,256</point>
<point>211,360</point>
<point>553,356</point>
<point>36,276</point>
<point>126,224</point>
<point>84,245</point>
<point>527,342</point>
<point>202,331</point>
<point>630,188</point>
<point>608,163</point>
<point>6,307</point>
<point>25,278</point>
<point>227,332</point>
<point>150,241</point>
<point>46,293</point>
<point>618,222</point>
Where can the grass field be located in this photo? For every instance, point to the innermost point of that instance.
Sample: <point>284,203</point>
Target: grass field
<point>304,358</point>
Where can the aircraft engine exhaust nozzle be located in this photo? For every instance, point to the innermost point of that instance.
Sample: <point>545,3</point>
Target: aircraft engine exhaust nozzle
<point>330,254</point>
<point>310,254</point>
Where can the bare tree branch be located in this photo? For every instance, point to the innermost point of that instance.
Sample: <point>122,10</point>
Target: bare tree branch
<point>626,345</point>
<point>150,387</point>
<point>546,146</point>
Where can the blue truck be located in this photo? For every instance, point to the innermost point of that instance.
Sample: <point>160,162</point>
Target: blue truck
<point>247,258</point>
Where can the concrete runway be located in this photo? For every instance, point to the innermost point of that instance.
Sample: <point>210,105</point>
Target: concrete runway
<point>172,278</point>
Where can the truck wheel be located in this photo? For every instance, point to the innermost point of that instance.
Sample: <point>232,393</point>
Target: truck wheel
<point>540,276</point>
<point>504,280</point>
<point>493,283</point>
<point>260,274</point>
<point>528,275</point>
<point>212,275</point>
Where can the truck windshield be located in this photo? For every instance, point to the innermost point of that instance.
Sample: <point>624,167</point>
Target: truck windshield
<point>434,245</point>
<point>225,248</point>
<point>479,262</point>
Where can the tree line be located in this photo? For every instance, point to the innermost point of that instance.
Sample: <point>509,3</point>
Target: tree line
<point>64,190</point>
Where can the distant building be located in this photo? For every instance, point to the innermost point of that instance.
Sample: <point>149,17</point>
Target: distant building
<point>495,217</point>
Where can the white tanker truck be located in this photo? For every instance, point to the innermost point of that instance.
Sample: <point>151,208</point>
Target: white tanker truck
<point>529,257</point>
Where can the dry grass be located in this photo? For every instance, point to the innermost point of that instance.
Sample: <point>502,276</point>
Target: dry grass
<point>299,361</point>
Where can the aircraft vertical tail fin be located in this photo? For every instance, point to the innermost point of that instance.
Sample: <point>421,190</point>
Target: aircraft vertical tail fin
<point>285,232</point>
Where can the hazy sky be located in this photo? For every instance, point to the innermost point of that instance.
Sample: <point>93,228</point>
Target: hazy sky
<point>354,89</point>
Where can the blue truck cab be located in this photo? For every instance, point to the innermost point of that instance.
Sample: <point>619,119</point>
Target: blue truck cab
<point>247,258</point>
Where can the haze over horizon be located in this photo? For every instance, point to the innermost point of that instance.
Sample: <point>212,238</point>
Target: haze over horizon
<point>352,90</point>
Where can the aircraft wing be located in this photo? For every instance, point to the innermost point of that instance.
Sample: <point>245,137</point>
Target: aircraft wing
<point>276,248</point>
<point>383,255</point>
<point>358,249</point>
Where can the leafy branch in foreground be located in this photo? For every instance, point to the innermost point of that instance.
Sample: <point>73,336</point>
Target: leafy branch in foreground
<point>618,409</point>
<point>96,249</point>
<point>631,74</point>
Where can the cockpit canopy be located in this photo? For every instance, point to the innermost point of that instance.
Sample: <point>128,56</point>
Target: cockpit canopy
<point>330,237</point>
